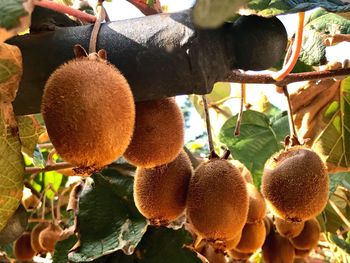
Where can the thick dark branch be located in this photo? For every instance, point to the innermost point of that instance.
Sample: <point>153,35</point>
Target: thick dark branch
<point>239,77</point>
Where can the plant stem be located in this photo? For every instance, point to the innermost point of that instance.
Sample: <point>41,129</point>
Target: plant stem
<point>281,74</point>
<point>237,76</point>
<point>67,10</point>
<point>293,133</point>
<point>101,14</point>
<point>210,137</point>
<point>339,213</point>
<point>45,145</point>
<point>47,168</point>
<point>240,114</point>
<point>146,9</point>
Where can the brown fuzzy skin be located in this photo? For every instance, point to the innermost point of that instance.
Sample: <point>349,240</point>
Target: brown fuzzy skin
<point>253,237</point>
<point>257,205</point>
<point>213,255</point>
<point>160,193</point>
<point>49,237</point>
<point>236,255</point>
<point>295,184</point>
<point>308,238</point>
<point>159,133</point>
<point>34,240</point>
<point>302,253</point>
<point>89,112</point>
<point>226,245</point>
<point>244,171</point>
<point>288,229</point>
<point>22,248</point>
<point>277,249</point>
<point>268,225</point>
<point>217,201</point>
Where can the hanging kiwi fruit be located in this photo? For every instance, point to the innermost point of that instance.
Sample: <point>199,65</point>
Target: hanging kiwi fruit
<point>253,237</point>
<point>34,239</point>
<point>309,236</point>
<point>49,237</point>
<point>159,133</point>
<point>160,192</point>
<point>89,111</point>
<point>257,205</point>
<point>288,229</point>
<point>277,249</point>
<point>295,184</point>
<point>22,248</point>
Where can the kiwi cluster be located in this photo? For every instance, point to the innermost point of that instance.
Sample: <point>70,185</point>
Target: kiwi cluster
<point>40,240</point>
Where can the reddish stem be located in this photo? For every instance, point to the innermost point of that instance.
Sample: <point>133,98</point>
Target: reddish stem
<point>145,9</point>
<point>67,10</point>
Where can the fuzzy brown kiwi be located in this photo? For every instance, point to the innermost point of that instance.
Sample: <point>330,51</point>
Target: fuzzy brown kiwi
<point>288,229</point>
<point>236,255</point>
<point>49,237</point>
<point>213,255</point>
<point>295,184</point>
<point>226,245</point>
<point>244,171</point>
<point>34,239</point>
<point>253,237</point>
<point>277,249</point>
<point>217,201</point>
<point>159,133</point>
<point>160,192</point>
<point>309,236</point>
<point>257,205</point>
<point>268,225</point>
<point>22,249</point>
<point>89,112</point>
<point>299,253</point>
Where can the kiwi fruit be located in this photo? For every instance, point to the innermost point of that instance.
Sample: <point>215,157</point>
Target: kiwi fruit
<point>299,253</point>
<point>269,226</point>
<point>226,245</point>
<point>89,112</point>
<point>159,133</point>
<point>277,249</point>
<point>22,249</point>
<point>288,229</point>
<point>34,240</point>
<point>253,237</point>
<point>244,171</point>
<point>213,255</point>
<point>236,255</point>
<point>257,205</point>
<point>15,226</point>
<point>217,201</point>
<point>160,192</point>
<point>261,42</point>
<point>49,237</point>
<point>309,236</point>
<point>295,184</point>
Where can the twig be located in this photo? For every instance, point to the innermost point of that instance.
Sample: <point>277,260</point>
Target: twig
<point>330,40</point>
<point>145,8</point>
<point>45,145</point>
<point>210,137</point>
<point>47,168</point>
<point>240,114</point>
<point>339,213</point>
<point>293,133</point>
<point>281,74</point>
<point>237,76</point>
<point>66,9</point>
<point>101,14</point>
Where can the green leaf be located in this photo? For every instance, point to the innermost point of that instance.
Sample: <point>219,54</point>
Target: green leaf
<point>7,69</point>
<point>108,219</point>
<point>313,50</point>
<point>338,179</point>
<point>62,248</point>
<point>260,137</point>
<point>339,242</point>
<point>213,13</point>
<point>10,13</point>
<point>29,132</point>
<point>54,179</point>
<point>334,139</point>
<point>328,23</point>
<point>161,245</point>
<point>11,172</point>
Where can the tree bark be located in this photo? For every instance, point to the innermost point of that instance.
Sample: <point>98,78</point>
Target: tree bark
<point>161,55</point>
